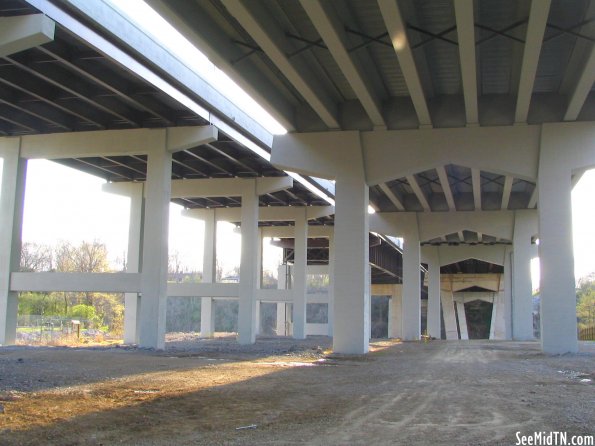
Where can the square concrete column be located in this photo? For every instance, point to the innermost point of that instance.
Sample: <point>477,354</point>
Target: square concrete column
<point>133,260</point>
<point>433,294</point>
<point>155,250</point>
<point>351,277</point>
<point>448,310</point>
<point>258,280</point>
<point>281,319</point>
<point>508,294</point>
<point>462,320</point>
<point>411,303</point>
<point>248,267</point>
<point>557,288</point>
<point>300,254</point>
<point>209,271</point>
<point>12,202</point>
<point>331,284</point>
<point>522,290</point>
<point>257,319</point>
<point>395,313</point>
<point>498,324</point>
<point>281,306</point>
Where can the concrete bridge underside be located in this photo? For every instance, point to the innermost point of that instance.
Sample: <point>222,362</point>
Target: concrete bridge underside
<point>458,171</point>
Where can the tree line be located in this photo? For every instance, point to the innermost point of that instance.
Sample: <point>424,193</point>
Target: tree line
<point>100,309</point>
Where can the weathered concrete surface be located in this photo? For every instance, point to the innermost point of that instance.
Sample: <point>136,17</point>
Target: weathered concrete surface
<point>442,392</point>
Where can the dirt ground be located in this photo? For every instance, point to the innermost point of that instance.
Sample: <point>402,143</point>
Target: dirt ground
<point>282,391</point>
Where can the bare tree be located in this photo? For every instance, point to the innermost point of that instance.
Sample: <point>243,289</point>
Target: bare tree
<point>85,258</point>
<point>36,257</point>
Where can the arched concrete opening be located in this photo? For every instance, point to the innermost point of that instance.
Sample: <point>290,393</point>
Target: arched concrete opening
<point>474,302</point>
<point>479,316</point>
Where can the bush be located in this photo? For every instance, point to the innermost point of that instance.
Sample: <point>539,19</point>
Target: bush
<point>85,313</point>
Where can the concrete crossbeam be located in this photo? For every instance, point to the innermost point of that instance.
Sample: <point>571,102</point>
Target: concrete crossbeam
<point>76,282</point>
<point>21,32</point>
<point>115,142</point>
<point>395,154</point>
<point>269,213</point>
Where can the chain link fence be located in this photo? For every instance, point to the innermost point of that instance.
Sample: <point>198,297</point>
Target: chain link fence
<point>42,330</point>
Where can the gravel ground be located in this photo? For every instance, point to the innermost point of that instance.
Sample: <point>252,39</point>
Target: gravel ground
<point>282,391</point>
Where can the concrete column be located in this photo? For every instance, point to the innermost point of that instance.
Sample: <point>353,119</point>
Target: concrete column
<point>411,288</point>
<point>351,284</point>
<point>462,320</point>
<point>133,261</point>
<point>155,249</point>
<point>209,271</point>
<point>282,277</point>
<point>331,284</point>
<point>12,202</point>
<point>508,294</point>
<point>448,310</point>
<point>557,287</point>
<point>300,254</point>
<point>248,267</point>
<point>282,329</point>
<point>258,280</point>
<point>434,295</point>
<point>395,313</point>
<point>369,280</point>
<point>281,320</point>
<point>493,319</point>
<point>259,268</point>
<point>499,317</point>
<point>522,290</point>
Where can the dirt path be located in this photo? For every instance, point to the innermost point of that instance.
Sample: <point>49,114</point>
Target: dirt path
<point>294,393</point>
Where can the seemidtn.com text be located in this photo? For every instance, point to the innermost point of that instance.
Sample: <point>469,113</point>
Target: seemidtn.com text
<point>553,439</point>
